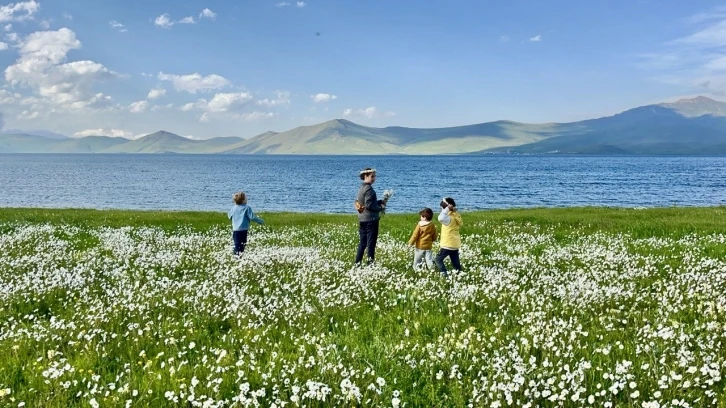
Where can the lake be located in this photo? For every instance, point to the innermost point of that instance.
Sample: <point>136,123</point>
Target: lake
<point>329,183</point>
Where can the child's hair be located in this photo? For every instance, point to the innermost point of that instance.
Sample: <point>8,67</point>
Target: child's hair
<point>365,172</point>
<point>448,201</point>
<point>427,213</point>
<point>239,198</point>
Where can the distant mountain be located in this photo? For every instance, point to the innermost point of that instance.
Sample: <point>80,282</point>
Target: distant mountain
<point>344,137</point>
<point>687,126</point>
<point>697,106</point>
<point>159,142</point>
<point>43,133</point>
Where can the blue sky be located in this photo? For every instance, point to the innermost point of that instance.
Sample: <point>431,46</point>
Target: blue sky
<point>239,68</point>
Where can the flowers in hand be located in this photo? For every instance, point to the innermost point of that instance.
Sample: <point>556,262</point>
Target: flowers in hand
<point>386,195</point>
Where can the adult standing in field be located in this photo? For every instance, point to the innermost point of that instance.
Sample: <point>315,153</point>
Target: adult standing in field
<point>369,209</point>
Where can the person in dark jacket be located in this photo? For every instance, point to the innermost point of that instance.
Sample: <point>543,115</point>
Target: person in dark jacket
<point>369,209</point>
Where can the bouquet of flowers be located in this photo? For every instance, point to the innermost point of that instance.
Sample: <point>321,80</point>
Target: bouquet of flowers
<point>386,195</point>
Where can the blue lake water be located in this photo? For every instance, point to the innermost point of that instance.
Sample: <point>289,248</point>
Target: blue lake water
<point>329,183</point>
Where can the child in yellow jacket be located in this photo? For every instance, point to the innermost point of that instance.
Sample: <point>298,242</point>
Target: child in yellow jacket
<point>450,239</point>
<point>422,239</point>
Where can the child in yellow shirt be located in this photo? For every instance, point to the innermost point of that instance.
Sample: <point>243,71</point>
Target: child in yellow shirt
<point>450,239</point>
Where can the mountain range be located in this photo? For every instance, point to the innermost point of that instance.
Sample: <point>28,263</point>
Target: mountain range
<point>687,126</point>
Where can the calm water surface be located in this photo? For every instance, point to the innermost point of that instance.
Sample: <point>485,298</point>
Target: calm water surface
<point>329,183</point>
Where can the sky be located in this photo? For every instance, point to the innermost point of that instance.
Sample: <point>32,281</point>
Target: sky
<point>213,68</point>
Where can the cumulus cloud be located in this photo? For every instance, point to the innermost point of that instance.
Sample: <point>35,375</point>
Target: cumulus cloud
<point>301,4</point>
<point>28,115</point>
<point>42,67</point>
<point>369,112</point>
<point>156,93</point>
<point>3,46</point>
<point>207,13</point>
<point>166,22</point>
<point>193,83</point>
<point>230,105</point>
<point>163,21</point>
<point>20,11</point>
<point>138,107</point>
<point>251,116</point>
<point>104,132</point>
<point>536,38</point>
<point>282,98</point>
<point>323,97</point>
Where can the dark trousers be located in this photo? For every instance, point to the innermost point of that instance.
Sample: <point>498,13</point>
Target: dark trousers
<point>443,253</point>
<point>368,232</point>
<point>240,241</point>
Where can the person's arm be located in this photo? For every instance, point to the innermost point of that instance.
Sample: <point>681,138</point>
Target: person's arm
<point>254,217</point>
<point>371,204</point>
<point>230,213</point>
<point>444,216</point>
<point>414,236</point>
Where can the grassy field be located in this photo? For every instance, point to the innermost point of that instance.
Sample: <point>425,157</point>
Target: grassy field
<point>556,307</point>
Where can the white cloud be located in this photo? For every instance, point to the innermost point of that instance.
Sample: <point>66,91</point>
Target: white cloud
<point>207,13</point>
<point>42,67</point>
<point>13,37</point>
<point>251,116</point>
<point>8,27</point>
<point>120,27</point>
<point>67,15</point>
<point>323,97</point>
<point>282,4</point>
<point>717,64</point>
<point>28,115</point>
<point>156,93</point>
<point>696,61</point>
<point>20,11</point>
<point>711,36</point>
<point>45,24</point>
<point>194,83</point>
<point>282,98</point>
<point>138,107</point>
<point>3,46</point>
<point>536,38</point>
<point>716,13</point>
<point>163,21</point>
<point>369,112</point>
<point>222,104</point>
<point>104,132</point>
<point>7,97</point>
<point>301,4</point>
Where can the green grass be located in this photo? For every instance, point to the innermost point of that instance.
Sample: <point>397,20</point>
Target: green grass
<point>642,223</point>
<point>625,306</point>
